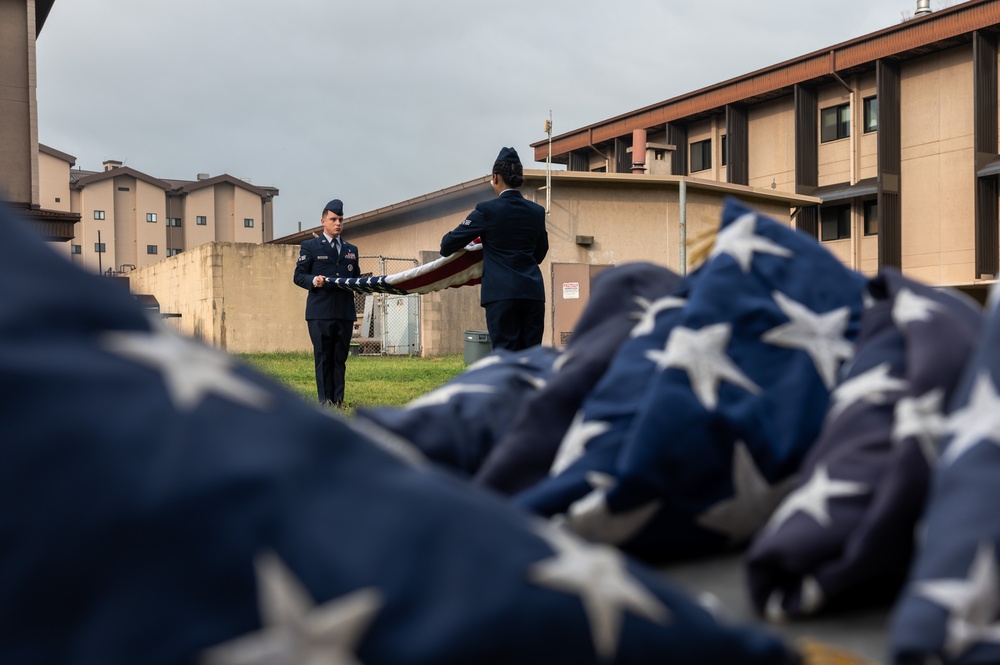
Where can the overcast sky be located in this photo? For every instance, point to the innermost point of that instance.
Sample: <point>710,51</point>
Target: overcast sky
<point>379,101</point>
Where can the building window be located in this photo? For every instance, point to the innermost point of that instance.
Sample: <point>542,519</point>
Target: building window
<point>123,189</point>
<point>701,155</point>
<point>835,123</point>
<point>599,169</point>
<point>871,218</point>
<point>871,114</point>
<point>151,249</point>
<point>58,199</point>
<point>201,220</point>
<point>247,223</point>
<point>173,221</point>
<point>725,146</point>
<point>76,249</point>
<point>173,251</point>
<point>100,247</point>
<point>98,214</point>
<point>150,216</point>
<point>835,222</point>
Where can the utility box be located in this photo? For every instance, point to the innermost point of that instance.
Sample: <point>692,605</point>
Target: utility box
<point>570,295</point>
<point>477,345</point>
<point>402,325</point>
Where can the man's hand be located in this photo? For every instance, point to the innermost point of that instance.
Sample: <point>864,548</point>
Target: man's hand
<point>319,281</point>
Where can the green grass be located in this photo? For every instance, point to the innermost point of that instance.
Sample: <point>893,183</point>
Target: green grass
<point>371,380</point>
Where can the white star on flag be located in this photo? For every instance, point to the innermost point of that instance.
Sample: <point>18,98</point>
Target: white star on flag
<point>740,241</point>
<point>871,386</point>
<point>190,370</point>
<point>972,603</point>
<point>296,630</point>
<point>923,419</point>
<point>910,307</point>
<point>702,354</point>
<point>813,497</point>
<point>752,502</point>
<point>591,517</point>
<point>444,394</point>
<point>819,335</point>
<point>979,420</point>
<point>598,574</point>
<point>575,441</point>
<point>650,310</point>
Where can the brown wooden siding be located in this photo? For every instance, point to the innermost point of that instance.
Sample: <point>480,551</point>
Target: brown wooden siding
<point>806,139</point>
<point>985,110</point>
<point>890,245</point>
<point>737,145</point>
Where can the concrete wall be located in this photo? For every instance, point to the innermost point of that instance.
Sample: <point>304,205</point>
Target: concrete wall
<point>236,296</point>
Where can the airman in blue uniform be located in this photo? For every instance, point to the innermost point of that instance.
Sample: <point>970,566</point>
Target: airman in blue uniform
<point>330,312</point>
<point>515,241</point>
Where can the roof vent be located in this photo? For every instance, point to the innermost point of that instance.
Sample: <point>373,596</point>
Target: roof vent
<point>923,8</point>
<point>202,176</point>
<point>112,164</point>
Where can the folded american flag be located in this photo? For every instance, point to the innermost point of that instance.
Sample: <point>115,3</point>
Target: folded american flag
<point>458,425</point>
<point>164,504</point>
<point>693,434</point>
<point>845,535</point>
<point>619,299</point>
<point>950,610</point>
<point>463,268</point>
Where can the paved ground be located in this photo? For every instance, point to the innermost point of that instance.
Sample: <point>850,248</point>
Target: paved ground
<point>861,632</point>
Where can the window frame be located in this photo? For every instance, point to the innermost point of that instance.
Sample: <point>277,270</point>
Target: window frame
<point>869,120</point>
<point>248,222</point>
<point>842,123</point>
<point>151,217</point>
<point>152,250</point>
<point>75,249</point>
<point>98,214</point>
<point>174,222</point>
<point>704,148</point>
<point>843,222</point>
<point>868,206</point>
<point>201,220</point>
<point>100,248</point>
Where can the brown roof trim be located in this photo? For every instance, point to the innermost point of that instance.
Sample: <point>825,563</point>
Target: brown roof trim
<point>120,171</point>
<point>66,157</point>
<point>225,178</point>
<point>54,225</point>
<point>907,39</point>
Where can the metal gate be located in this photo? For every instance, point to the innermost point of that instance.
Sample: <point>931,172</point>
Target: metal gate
<point>387,325</point>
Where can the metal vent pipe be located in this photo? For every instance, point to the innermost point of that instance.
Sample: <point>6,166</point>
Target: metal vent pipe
<point>923,7</point>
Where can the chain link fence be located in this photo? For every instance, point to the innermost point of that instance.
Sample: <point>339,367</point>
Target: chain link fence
<point>387,325</point>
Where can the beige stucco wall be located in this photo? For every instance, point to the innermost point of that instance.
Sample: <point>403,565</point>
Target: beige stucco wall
<point>236,296</point>
<point>937,179</point>
<point>200,202</point>
<point>19,129</point>
<point>771,129</point>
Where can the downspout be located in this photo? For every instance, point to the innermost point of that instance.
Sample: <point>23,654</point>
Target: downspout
<point>682,224</point>
<point>853,161</point>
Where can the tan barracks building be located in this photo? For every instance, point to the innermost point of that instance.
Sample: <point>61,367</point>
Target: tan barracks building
<point>885,148</point>
<point>895,132</point>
